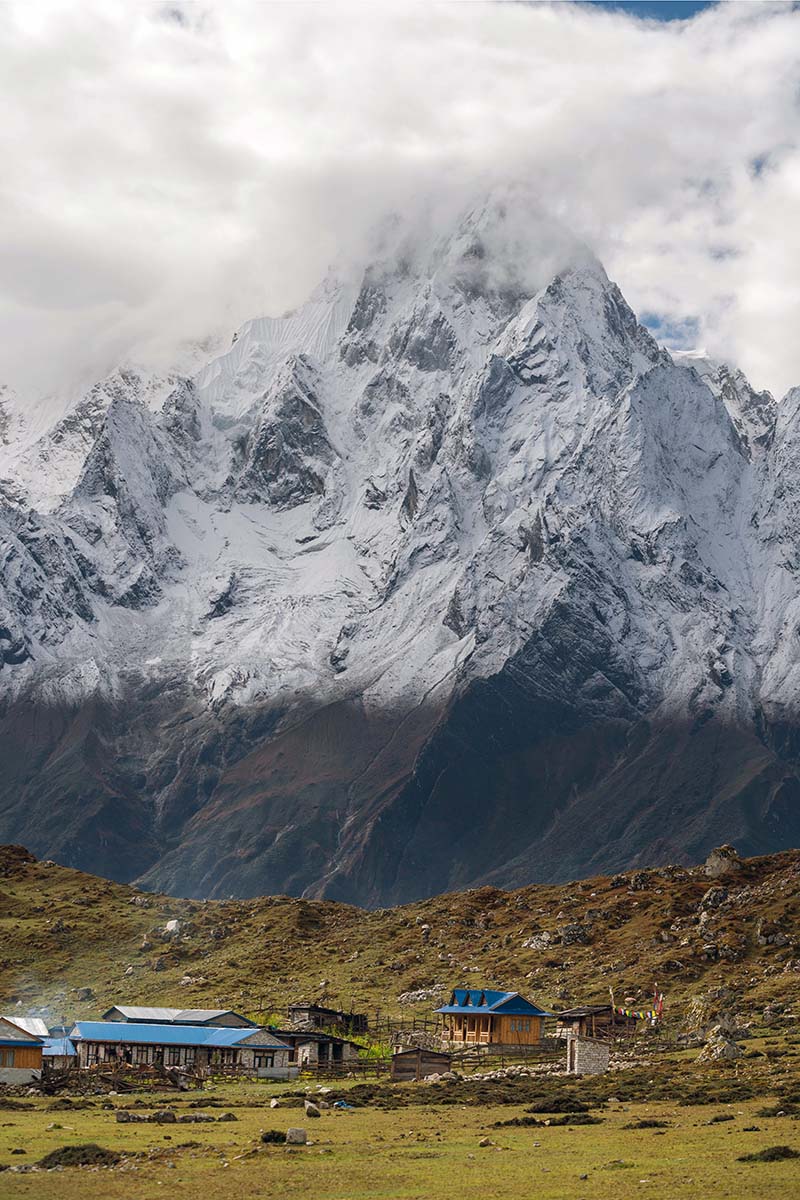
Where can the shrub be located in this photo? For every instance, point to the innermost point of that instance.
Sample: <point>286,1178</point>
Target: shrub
<point>80,1156</point>
<point>770,1154</point>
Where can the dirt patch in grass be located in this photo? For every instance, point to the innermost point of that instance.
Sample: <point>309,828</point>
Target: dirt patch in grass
<point>89,1155</point>
<point>647,1123</point>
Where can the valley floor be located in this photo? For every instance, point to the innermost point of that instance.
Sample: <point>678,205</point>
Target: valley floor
<point>422,1142</point>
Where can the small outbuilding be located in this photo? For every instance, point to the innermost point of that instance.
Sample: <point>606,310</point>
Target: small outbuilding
<point>20,1054</point>
<point>409,1066</point>
<point>587,1056</point>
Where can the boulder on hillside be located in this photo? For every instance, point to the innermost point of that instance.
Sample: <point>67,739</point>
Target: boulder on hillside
<point>719,1046</point>
<point>724,860</point>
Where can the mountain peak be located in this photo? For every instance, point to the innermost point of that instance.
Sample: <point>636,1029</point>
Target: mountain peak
<point>454,531</point>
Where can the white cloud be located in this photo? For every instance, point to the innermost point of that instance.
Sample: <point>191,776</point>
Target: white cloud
<point>169,171</point>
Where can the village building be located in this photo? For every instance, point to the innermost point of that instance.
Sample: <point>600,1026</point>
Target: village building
<point>20,1054</point>
<point>314,1016</point>
<point>191,1047</point>
<point>315,1048</point>
<point>595,1021</point>
<point>59,1054</point>
<point>219,1017</point>
<point>487,1017</point>
<point>409,1066</point>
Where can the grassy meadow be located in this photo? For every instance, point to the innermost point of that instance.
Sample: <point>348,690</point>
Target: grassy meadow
<point>422,1141</point>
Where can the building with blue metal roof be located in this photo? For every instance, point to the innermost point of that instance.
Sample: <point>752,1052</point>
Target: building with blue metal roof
<point>488,1016</point>
<point>191,1047</point>
<point>59,1053</point>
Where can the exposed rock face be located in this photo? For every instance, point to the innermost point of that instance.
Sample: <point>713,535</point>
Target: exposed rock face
<point>721,861</point>
<point>442,579</point>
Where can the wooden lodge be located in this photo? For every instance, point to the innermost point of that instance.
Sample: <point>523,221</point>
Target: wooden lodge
<point>20,1054</point>
<point>485,1017</point>
<point>188,1047</point>
<point>594,1021</point>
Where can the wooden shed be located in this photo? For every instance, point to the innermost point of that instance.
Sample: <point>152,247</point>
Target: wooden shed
<point>594,1021</point>
<point>409,1066</point>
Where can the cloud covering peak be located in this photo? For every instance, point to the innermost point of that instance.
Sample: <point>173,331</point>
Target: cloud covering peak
<point>171,170</point>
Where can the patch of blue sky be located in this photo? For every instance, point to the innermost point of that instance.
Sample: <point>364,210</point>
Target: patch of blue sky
<point>675,334</point>
<point>655,10</point>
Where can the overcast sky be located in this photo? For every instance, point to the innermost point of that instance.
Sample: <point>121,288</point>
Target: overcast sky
<point>170,170</point>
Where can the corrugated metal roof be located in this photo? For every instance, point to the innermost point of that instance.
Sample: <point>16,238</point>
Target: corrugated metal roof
<point>34,1025</point>
<point>172,1035</point>
<point>202,1016</point>
<point>183,1016</point>
<point>13,1034</point>
<point>59,1047</point>
<point>486,1001</point>
<point>584,1010</point>
<point>134,1013</point>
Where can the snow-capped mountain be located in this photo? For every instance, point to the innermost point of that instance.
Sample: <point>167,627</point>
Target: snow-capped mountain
<point>451,576</point>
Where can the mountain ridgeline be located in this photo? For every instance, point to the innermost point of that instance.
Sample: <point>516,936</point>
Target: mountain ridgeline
<point>451,577</point>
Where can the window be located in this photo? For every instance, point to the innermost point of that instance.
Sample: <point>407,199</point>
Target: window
<point>173,1056</point>
<point>6,1058</point>
<point>264,1060</point>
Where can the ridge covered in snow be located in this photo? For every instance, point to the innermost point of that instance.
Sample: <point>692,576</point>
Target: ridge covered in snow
<point>402,590</point>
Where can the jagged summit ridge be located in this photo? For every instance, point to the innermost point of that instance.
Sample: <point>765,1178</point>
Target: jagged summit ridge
<point>457,532</point>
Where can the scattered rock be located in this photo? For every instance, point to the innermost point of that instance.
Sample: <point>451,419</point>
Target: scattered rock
<point>722,861</point>
<point>296,1137</point>
<point>575,935</point>
<point>719,1046</point>
<point>311,1109</point>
